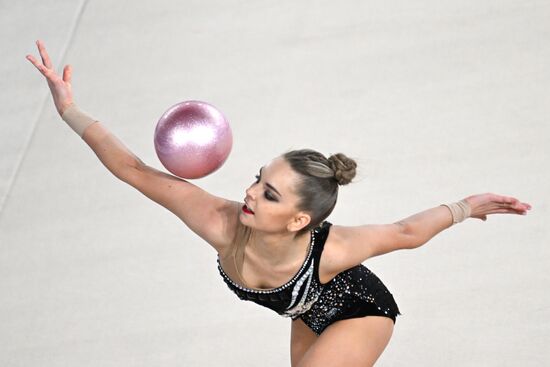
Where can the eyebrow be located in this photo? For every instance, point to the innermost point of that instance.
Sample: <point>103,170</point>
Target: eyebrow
<point>269,185</point>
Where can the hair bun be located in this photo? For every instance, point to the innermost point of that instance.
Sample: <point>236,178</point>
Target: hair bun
<point>343,167</point>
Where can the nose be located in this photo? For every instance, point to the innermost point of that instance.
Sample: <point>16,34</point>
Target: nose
<point>250,193</point>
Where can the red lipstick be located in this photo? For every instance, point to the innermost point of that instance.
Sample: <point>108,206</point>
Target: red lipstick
<point>246,210</point>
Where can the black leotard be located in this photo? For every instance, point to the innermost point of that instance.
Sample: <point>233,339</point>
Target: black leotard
<point>355,292</point>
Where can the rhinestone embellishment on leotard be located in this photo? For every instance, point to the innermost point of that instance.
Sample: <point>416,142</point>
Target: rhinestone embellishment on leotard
<point>302,306</point>
<point>355,292</point>
<point>345,292</point>
<point>273,290</point>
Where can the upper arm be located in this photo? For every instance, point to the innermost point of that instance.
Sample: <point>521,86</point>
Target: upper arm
<point>212,218</point>
<point>351,246</point>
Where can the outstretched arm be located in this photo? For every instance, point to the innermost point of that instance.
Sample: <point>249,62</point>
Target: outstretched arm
<point>353,245</point>
<point>423,226</point>
<point>211,217</point>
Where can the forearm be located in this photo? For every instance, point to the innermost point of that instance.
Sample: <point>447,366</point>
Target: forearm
<point>110,150</point>
<point>422,226</point>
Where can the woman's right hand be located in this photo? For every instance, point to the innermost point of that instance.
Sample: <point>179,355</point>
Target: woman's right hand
<point>60,87</point>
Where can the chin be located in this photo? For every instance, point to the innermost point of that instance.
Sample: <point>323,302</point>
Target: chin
<point>241,216</point>
<point>243,219</point>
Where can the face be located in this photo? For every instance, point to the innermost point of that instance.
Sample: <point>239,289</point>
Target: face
<point>273,200</point>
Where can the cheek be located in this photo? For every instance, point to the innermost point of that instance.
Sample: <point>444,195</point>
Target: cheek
<point>273,212</point>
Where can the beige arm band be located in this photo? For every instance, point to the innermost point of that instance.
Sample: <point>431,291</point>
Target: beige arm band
<point>76,119</point>
<point>459,210</point>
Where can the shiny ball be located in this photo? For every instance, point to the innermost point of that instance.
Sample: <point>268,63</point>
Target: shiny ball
<point>193,139</point>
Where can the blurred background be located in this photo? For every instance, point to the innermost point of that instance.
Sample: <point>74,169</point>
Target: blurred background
<point>437,100</point>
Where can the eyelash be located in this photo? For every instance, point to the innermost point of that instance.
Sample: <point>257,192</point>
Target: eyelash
<point>267,194</point>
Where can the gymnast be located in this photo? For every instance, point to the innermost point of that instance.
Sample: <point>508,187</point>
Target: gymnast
<point>276,248</point>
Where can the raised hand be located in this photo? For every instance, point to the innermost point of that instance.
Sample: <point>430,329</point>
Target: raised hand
<point>59,87</point>
<point>485,204</point>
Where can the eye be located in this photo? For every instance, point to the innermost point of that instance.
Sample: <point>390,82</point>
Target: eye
<point>267,194</point>
<point>269,197</point>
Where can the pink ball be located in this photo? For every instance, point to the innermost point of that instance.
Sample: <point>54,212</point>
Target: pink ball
<point>192,139</point>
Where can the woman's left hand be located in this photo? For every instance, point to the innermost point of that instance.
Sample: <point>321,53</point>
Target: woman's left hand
<point>485,204</point>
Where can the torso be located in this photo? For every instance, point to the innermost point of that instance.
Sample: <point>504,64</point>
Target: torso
<point>310,291</point>
<point>258,274</point>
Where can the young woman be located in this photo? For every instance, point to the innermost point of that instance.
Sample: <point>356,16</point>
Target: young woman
<point>277,249</point>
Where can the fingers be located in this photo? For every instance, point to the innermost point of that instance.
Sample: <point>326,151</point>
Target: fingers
<point>508,211</point>
<point>511,202</point>
<point>518,205</point>
<point>38,65</point>
<point>44,55</point>
<point>46,67</point>
<point>507,199</point>
<point>67,73</point>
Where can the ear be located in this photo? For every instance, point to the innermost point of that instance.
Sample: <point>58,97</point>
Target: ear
<point>300,220</point>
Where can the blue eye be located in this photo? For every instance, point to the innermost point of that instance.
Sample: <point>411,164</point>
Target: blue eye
<point>257,178</point>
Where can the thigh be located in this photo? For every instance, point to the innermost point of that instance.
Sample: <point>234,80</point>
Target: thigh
<point>301,338</point>
<point>356,342</point>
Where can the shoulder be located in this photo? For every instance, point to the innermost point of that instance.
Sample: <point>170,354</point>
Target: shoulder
<point>348,246</point>
<point>330,263</point>
<point>336,236</point>
<point>230,229</point>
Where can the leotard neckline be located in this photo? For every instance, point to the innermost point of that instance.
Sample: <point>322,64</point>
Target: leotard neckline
<point>281,287</point>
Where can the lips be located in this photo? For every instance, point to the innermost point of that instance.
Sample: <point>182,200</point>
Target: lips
<point>247,210</point>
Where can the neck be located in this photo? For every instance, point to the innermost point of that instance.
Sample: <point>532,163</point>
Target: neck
<point>278,248</point>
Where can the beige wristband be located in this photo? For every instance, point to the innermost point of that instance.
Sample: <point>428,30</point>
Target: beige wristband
<point>459,210</point>
<point>76,119</point>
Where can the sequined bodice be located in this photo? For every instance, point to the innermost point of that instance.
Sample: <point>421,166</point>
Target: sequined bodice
<point>297,295</point>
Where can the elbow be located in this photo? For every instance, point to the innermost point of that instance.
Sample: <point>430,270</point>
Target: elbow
<point>411,242</point>
<point>127,172</point>
<point>414,244</point>
<point>409,239</point>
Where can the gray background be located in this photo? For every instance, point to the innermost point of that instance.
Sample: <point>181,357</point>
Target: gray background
<point>436,99</point>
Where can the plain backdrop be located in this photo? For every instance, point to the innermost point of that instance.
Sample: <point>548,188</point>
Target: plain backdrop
<point>437,100</point>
